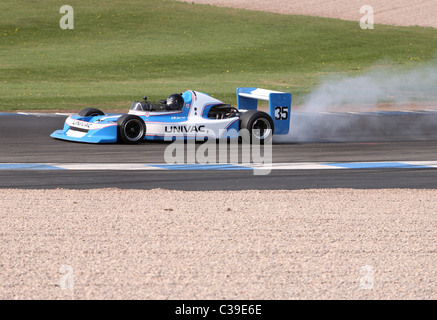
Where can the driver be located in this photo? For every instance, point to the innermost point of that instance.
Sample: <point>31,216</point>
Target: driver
<point>174,102</point>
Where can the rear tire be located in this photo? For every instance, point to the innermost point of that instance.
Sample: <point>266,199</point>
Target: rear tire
<point>259,125</point>
<point>131,129</point>
<point>91,112</point>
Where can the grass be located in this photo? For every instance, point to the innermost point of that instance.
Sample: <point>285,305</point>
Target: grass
<point>119,51</point>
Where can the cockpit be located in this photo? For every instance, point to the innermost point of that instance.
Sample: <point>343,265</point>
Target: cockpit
<point>174,102</point>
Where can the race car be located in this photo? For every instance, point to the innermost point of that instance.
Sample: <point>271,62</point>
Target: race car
<point>190,114</point>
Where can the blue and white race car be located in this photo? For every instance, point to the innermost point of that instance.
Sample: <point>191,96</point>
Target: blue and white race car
<point>190,114</point>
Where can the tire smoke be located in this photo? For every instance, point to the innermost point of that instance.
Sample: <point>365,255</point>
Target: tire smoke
<point>335,110</point>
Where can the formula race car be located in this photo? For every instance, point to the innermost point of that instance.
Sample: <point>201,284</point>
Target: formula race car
<point>190,114</point>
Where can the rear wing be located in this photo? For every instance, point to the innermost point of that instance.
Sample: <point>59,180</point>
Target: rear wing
<point>279,105</point>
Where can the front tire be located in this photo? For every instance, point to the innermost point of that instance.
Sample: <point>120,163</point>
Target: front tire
<point>259,125</point>
<point>131,129</point>
<point>91,112</point>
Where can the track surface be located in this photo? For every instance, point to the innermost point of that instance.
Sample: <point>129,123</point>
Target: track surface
<point>25,139</point>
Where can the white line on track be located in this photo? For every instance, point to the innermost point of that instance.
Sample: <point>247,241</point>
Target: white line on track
<point>218,166</point>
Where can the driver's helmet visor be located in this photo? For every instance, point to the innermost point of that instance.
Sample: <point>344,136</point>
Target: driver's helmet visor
<point>175,103</point>
<point>172,102</point>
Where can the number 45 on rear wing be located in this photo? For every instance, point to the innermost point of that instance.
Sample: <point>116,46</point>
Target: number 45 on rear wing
<point>279,105</point>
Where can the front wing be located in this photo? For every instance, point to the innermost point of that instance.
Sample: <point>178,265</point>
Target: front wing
<point>107,134</point>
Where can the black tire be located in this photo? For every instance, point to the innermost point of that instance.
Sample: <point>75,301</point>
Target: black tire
<point>91,112</point>
<point>131,129</point>
<point>259,125</point>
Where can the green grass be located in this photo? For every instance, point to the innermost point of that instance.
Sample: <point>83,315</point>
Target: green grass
<point>120,51</point>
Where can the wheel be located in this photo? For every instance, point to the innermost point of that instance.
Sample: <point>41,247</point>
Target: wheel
<point>259,125</point>
<point>91,112</point>
<point>131,129</point>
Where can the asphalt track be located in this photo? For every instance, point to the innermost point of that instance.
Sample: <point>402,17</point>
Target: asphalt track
<point>346,138</point>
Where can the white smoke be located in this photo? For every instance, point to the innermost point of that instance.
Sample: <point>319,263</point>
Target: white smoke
<point>316,120</point>
<point>376,86</point>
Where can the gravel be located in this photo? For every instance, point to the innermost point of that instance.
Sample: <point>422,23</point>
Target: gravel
<point>162,244</point>
<point>395,12</point>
